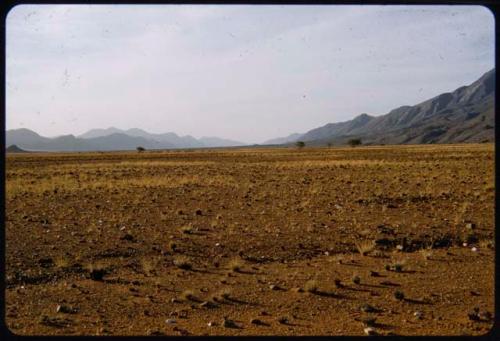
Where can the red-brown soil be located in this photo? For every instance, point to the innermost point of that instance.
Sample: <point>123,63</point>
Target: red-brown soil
<point>258,227</point>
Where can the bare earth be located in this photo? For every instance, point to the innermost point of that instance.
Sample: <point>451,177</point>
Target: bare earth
<point>185,238</point>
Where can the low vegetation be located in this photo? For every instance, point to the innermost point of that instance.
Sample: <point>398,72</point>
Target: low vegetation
<point>322,241</point>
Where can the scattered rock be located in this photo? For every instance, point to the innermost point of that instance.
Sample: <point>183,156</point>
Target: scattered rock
<point>97,274</point>
<point>207,304</point>
<point>61,308</point>
<point>211,324</point>
<point>170,321</point>
<point>370,331</point>
<point>256,322</point>
<point>399,295</point>
<point>470,226</point>
<point>198,212</point>
<point>366,308</point>
<point>283,320</point>
<point>46,262</point>
<point>418,314</point>
<point>227,323</point>
<point>356,279</point>
<point>127,237</point>
<point>474,249</point>
<point>274,287</point>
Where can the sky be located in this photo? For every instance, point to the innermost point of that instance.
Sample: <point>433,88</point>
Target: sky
<point>242,72</point>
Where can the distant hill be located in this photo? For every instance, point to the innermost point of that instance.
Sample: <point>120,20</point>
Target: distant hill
<point>110,139</point>
<point>218,142</point>
<point>15,149</point>
<point>280,140</point>
<point>464,115</point>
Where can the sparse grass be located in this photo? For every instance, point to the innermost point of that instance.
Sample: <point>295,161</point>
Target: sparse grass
<point>365,246</point>
<point>487,244</point>
<point>188,295</point>
<point>172,246</point>
<point>61,262</point>
<point>133,195</point>
<point>187,229</point>
<point>149,265</point>
<point>221,295</point>
<point>311,286</point>
<point>183,262</point>
<point>426,253</point>
<point>236,265</point>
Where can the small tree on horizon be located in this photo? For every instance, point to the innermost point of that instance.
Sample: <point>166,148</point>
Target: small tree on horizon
<point>300,144</point>
<point>354,142</point>
<point>140,149</point>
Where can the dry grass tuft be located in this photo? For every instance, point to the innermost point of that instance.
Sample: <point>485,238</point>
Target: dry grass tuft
<point>426,253</point>
<point>311,286</point>
<point>188,295</point>
<point>365,246</point>
<point>188,229</point>
<point>183,262</point>
<point>236,265</point>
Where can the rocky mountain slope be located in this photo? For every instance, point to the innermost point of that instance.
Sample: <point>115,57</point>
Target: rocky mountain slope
<point>464,115</point>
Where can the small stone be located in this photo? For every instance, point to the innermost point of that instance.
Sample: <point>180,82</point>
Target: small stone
<point>283,320</point>
<point>418,315</point>
<point>366,308</point>
<point>256,322</point>
<point>470,226</point>
<point>65,309</point>
<point>399,295</point>
<point>374,274</point>
<point>207,304</point>
<point>399,247</point>
<point>229,323</point>
<point>128,237</point>
<point>356,279</point>
<point>487,316</point>
<point>211,324</point>
<point>464,244</point>
<point>198,212</point>
<point>370,331</point>
<point>170,321</point>
<point>274,287</point>
<point>474,249</point>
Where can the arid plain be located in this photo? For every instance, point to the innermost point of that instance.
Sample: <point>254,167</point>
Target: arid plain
<point>286,241</point>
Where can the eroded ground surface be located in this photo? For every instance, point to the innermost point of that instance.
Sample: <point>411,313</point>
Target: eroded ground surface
<point>306,242</point>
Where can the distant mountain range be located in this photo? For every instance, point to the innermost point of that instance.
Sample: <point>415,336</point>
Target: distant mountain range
<point>464,115</point>
<point>110,139</point>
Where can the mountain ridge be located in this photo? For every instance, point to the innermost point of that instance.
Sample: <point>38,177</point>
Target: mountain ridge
<point>109,139</point>
<point>444,118</point>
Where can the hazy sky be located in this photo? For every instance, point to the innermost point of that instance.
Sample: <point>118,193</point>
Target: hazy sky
<point>242,72</point>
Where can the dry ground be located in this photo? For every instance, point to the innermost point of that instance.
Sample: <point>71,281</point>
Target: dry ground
<point>185,238</point>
